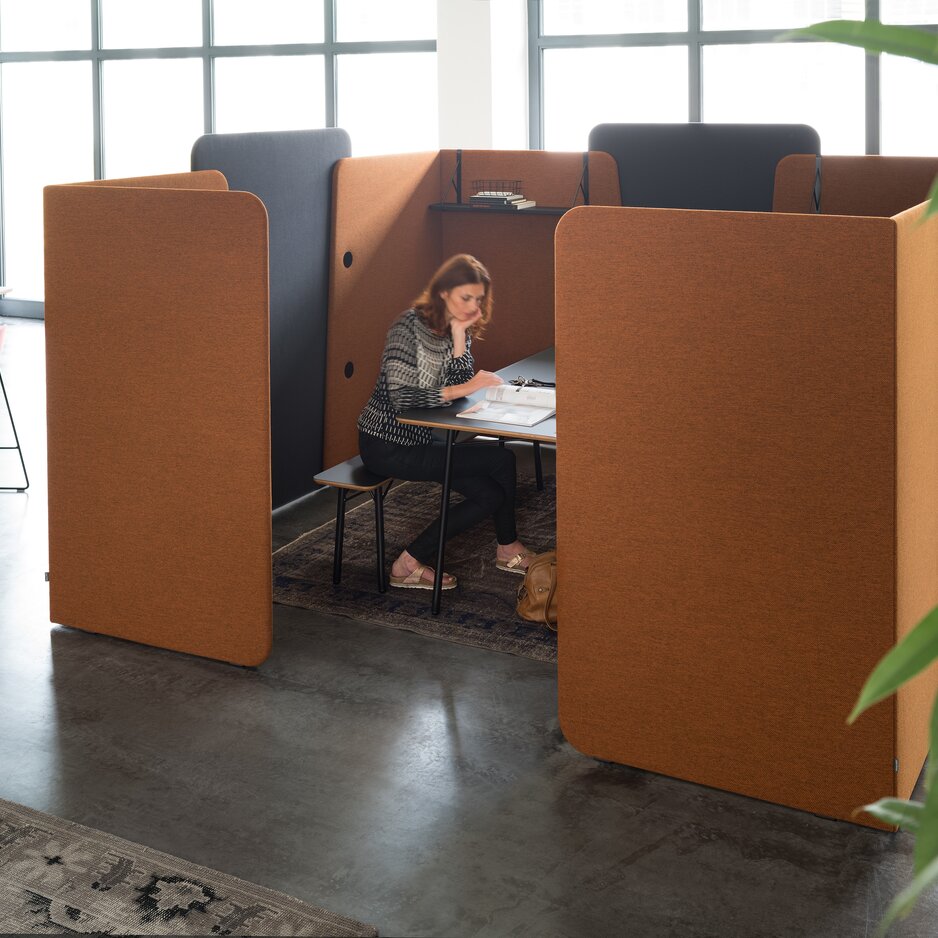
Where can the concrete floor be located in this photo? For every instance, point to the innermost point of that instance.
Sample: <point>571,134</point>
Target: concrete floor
<point>408,782</point>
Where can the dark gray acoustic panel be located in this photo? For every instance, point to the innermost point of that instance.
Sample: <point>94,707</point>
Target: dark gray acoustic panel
<point>728,167</point>
<point>291,172</point>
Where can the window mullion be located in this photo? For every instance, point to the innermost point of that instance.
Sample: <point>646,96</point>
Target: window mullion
<point>873,96</point>
<point>208,66</point>
<point>694,73</point>
<point>535,77</point>
<point>97,108</point>
<point>329,63</point>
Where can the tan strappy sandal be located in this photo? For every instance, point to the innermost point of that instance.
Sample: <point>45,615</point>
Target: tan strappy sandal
<point>515,564</point>
<point>416,581</point>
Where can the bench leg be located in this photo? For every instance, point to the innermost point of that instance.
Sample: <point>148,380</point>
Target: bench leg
<point>342,495</point>
<point>377,496</point>
<point>538,469</point>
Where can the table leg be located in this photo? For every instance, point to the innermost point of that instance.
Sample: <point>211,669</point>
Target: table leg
<point>341,498</point>
<point>378,498</point>
<point>444,513</point>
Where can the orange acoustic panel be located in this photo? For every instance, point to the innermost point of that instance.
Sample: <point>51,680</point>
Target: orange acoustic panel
<point>385,246</point>
<point>728,442</point>
<point>916,347</point>
<point>518,251</point>
<point>204,179</point>
<point>853,185</point>
<point>158,414</point>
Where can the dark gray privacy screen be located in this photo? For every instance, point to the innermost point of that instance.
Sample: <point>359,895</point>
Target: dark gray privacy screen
<point>291,172</point>
<point>729,167</point>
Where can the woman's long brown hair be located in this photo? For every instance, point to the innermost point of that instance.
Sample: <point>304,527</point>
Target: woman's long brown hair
<point>457,271</point>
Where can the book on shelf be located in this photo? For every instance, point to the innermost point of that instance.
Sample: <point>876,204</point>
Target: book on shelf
<point>508,403</point>
<point>501,199</point>
<point>514,203</point>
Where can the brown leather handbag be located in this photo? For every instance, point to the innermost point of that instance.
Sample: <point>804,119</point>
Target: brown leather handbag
<point>537,596</point>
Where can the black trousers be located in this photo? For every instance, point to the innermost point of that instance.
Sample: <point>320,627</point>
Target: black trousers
<point>483,473</point>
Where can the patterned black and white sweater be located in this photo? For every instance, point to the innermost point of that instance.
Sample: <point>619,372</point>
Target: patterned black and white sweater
<point>415,365</point>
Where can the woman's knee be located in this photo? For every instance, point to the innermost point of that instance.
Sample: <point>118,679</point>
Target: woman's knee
<point>484,491</point>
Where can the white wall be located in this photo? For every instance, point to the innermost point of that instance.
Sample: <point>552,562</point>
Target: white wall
<point>483,74</point>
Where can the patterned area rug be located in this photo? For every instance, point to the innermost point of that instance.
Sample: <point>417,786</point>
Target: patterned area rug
<point>57,877</point>
<point>480,611</point>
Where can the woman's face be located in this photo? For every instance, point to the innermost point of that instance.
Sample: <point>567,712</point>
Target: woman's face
<point>464,303</point>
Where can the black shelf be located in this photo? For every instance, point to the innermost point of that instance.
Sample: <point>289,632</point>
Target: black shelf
<point>500,209</point>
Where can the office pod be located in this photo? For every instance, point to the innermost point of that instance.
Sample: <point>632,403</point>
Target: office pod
<point>159,413</point>
<point>747,515</point>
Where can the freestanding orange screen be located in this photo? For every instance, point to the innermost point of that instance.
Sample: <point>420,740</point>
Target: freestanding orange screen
<point>158,414</point>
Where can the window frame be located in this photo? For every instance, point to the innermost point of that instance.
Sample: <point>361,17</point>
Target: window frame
<point>694,38</point>
<point>330,49</point>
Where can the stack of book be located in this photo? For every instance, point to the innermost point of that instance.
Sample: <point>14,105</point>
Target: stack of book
<point>502,199</point>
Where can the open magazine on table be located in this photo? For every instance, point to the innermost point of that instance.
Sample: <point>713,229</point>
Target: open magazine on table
<point>510,404</point>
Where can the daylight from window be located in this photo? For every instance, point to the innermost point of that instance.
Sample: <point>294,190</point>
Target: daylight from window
<point>161,83</point>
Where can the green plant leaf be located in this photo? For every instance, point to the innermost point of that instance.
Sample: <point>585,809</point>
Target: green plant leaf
<point>905,901</point>
<point>904,814</point>
<point>926,843</point>
<point>931,766</point>
<point>874,37</point>
<point>932,200</point>
<point>926,840</point>
<point>913,654</point>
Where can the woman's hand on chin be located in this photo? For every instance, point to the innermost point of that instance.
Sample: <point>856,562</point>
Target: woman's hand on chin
<point>459,327</point>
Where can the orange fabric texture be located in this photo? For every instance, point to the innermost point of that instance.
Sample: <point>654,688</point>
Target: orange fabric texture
<point>728,434</point>
<point>158,415</point>
<point>917,470</point>
<point>204,179</point>
<point>854,185</point>
<point>383,225</point>
<point>385,246</point>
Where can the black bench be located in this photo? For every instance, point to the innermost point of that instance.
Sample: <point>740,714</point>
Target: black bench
<point>350,479</point>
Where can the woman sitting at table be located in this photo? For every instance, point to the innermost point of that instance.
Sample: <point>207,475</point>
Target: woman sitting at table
<point>427,362</point>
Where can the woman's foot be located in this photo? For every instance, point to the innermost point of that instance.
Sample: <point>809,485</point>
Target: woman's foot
<point>513,558</point>
<point>407,572</point>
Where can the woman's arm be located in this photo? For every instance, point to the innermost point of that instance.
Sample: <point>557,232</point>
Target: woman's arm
<point>459,375</point>
<point>401,374</point>
<point>459,369</point>
<point>480,380</point>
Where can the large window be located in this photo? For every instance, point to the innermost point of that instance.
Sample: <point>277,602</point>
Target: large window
<point>388,103</point>
<point>650,83</point>
<point>36,153</point>
<point>601,61</point>
<point>152,114</point>
<point>814,83</point>
<point>124,87</point>
<point>44,25</point>
<point>284,92</point>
